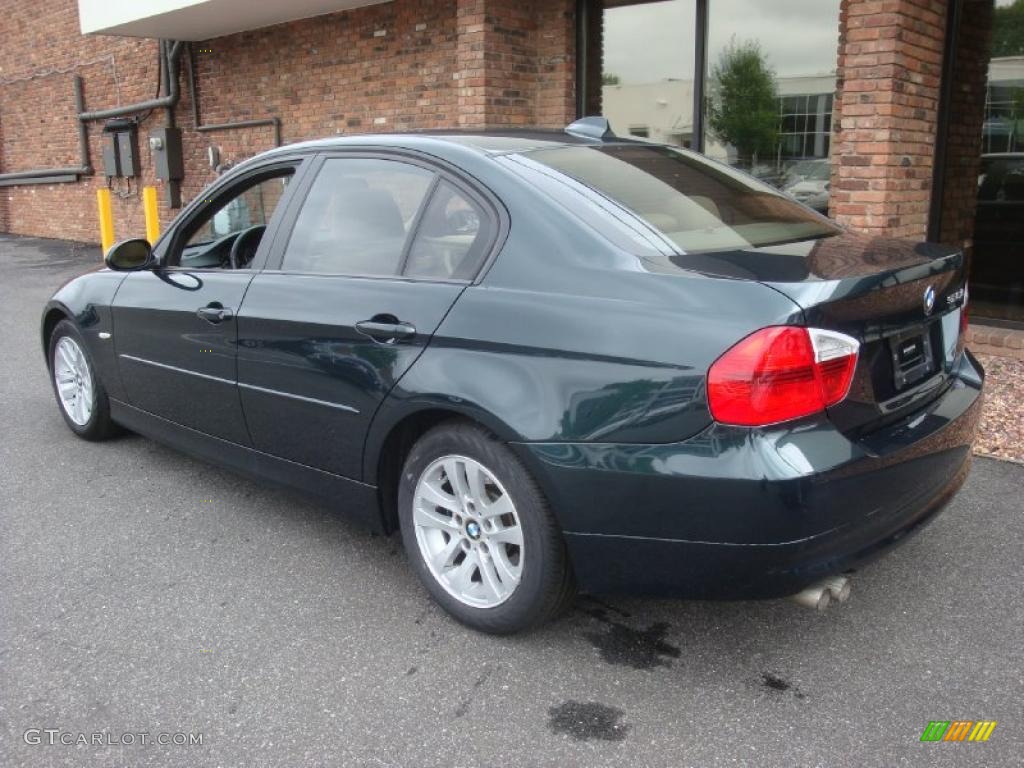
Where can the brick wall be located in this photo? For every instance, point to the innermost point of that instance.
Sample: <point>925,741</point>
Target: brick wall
<point>40,51</point>
<point>413,64</point>
<point>556,63</point>
<point>595,55</point>
<point>381,68</point>
<point>408,64</point>
<point>889,75</point>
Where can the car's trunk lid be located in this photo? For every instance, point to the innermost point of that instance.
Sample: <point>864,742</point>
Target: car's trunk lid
<point>901,300</point>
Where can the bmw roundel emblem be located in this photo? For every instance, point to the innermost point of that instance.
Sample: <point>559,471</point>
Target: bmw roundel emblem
<point>929,300</point>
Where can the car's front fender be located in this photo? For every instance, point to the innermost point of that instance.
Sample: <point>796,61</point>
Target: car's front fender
<point>86,301</point>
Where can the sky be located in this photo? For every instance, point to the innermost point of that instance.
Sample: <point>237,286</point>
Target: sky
<point>646,43</point>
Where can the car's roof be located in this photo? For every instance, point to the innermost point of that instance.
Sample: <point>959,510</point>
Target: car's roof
<point>489,142</point>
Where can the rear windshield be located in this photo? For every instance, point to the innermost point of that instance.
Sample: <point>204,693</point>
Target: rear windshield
<point>697,204</point>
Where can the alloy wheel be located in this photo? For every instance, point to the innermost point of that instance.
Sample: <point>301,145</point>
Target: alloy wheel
<point>74,380</point>
<point>468,531</point>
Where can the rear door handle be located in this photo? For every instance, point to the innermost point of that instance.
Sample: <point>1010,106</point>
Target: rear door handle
<point>386,328</point>
<point>215,313</point>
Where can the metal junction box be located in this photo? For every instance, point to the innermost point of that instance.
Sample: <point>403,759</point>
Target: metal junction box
<point>120,148</point>
<point>165,146</point>
<point>111,163</point>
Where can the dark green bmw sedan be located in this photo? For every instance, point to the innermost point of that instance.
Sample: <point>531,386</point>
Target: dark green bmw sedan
<point>553,361</point>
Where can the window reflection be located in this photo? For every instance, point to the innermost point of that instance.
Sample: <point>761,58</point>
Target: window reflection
<point>771,81</point>
<point>997,270</point>
<point>769,77</point>
<point>647,66</point>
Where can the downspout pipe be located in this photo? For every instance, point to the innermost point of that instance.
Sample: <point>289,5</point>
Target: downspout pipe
<point>58,175</point>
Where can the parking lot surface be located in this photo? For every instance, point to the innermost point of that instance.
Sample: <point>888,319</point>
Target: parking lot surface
<point>144,592</point>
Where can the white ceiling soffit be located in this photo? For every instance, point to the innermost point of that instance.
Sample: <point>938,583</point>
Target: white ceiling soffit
<point>198,19</point>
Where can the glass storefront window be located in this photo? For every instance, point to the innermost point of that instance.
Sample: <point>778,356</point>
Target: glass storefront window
<point>752,83</point>
<point>771,81</point>
<point>647,66</point>
<point>997,269</point>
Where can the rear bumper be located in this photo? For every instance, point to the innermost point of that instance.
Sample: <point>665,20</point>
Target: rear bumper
<point>737,513</point>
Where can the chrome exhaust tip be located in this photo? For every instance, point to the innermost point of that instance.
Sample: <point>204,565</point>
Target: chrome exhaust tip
<point>839,588</point>
<point>817,597</point>
<point>821,595</point>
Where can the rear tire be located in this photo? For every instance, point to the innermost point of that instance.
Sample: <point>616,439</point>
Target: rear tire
<point>81,396</point>
<point>494,559</point>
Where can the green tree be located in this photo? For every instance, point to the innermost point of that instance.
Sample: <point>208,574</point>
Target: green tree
<point>1008,30</point>
<point>743,107</point>
<point>610,78</point>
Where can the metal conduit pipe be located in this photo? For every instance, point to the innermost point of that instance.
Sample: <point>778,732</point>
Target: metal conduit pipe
<point>274,121</point>
<point>212,127</point>
<point>169,101</point>
<point>64,174</point>
<point>170,53</point>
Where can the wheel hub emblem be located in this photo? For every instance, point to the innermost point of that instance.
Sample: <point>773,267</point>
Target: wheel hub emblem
<point>473,530</point>
<point>929,300</point>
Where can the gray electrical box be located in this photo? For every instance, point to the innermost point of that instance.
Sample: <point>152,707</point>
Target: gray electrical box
<point>165,146</point>
<point>120,148</point>
<point>111,164</point>
<point>128,152</point>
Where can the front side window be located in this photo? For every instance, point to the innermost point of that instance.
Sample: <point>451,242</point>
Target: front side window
<point>357,217</point>
<point>696,204</point>
<point>236,222</point>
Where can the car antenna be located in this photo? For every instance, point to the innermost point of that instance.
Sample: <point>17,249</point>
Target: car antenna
<point>594,127</point>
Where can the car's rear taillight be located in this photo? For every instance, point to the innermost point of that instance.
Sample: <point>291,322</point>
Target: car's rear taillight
<point>781,373</point>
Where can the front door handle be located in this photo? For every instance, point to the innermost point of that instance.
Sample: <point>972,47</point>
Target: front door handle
<point>386,328</point>
<point>215,313</point>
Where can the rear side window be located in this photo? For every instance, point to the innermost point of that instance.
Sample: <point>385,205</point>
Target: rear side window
<point>452,237</point>
<point>696,204</point>
<point>357,217</point>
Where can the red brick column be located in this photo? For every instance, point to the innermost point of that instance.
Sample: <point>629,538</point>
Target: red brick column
<point>889,78</point>
<point>515,63</point>
<point>556,64</point>
<point>470,70</point>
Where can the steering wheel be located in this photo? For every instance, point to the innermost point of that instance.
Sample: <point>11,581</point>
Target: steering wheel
<point>248,239</point>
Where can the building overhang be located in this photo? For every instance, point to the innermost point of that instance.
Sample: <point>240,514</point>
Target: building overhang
<point>198,19</point>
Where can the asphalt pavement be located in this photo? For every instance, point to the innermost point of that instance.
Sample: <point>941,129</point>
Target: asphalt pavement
<point>143,592</point>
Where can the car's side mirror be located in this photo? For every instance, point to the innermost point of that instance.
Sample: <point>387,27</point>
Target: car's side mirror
<point>129,255</point>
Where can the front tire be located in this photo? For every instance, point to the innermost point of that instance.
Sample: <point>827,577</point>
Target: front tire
<point>479,532</point>
<point>81,396</point>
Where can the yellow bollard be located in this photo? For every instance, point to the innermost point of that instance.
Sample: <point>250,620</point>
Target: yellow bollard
<point>106,219</point>
<point>149,207</point>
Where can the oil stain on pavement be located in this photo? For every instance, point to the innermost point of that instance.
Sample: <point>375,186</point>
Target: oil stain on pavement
<point>584,721</point>
<point>467,700</point>
<point>625,646</point>
<point>776,683</point>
